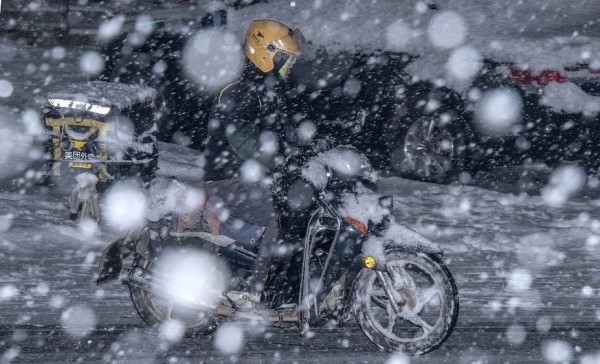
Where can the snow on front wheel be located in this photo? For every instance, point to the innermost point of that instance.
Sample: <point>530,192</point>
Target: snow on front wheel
<point>427,303</point>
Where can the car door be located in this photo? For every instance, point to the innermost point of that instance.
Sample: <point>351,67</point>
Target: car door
<point>325,92</point>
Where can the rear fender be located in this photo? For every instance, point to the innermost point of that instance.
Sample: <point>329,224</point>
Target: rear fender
<point>111,260</point>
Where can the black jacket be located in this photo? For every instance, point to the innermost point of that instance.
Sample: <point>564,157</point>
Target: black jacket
<point>241,113</point>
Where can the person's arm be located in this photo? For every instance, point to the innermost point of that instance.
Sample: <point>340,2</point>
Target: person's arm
<point>232,108</point>
<point>238,111</point>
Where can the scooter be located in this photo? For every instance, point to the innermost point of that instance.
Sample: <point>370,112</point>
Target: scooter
<point>351,257</point>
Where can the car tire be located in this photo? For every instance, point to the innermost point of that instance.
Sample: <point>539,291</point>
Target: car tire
<point>429,147</point>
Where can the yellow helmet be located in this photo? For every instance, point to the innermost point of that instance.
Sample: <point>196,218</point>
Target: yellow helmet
<point>270,44</point>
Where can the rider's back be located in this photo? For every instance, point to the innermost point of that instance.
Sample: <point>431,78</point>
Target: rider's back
<point>241,112</point>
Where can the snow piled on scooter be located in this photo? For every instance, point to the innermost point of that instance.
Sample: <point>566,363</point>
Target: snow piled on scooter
<point>119,96</point>
<point>363,205</point>
<point>346,161</point>
<point>167,195</point>
<point>127,206</point>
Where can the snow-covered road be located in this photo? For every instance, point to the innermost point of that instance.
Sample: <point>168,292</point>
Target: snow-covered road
<point>527,276</point>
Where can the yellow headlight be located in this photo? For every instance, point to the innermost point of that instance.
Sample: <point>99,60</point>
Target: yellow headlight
<point>369,262</point>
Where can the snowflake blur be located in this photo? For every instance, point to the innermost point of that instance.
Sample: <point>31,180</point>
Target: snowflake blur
<point>213,59</point>
<point>124,207</point>
<point>194,277</point>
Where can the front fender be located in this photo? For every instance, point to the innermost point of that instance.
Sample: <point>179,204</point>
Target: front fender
<point>398,237</point>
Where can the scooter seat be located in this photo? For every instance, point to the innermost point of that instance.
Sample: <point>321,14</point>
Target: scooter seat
<point>232,231</point>
<point>246,235</point>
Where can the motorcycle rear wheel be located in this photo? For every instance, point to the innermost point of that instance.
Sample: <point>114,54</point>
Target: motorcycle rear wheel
<point>429,313</point>
<point>156,310</point>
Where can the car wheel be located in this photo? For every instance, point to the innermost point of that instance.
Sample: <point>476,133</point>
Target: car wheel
<point>429,148</point>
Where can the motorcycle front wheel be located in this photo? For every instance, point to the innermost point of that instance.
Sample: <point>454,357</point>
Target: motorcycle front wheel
<point>427,297</point>
<point>156,309</point>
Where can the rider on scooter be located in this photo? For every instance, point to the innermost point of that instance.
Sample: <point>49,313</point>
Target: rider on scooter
<point>249,133</point>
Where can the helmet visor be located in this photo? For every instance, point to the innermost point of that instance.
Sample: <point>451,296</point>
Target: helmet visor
<point>284,63</point>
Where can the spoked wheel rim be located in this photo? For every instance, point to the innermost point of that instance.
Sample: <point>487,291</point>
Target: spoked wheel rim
<point>429,148</point>
<point>423,310</point>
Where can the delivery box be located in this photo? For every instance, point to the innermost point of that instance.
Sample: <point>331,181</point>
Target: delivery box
<point>108,129</point>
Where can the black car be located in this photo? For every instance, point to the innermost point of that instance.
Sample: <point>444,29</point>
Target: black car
<point>134,61</point>
<point>551,127</point>
<point>360,99</point>
<point>411,127</point>
<point>429,132</point>
<point>407,126</point>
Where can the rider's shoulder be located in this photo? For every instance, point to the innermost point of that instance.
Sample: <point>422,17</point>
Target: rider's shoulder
<point>236,91</point>
<point>238,94</point>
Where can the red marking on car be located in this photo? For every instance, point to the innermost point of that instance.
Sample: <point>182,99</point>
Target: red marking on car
<point>527,77</point>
